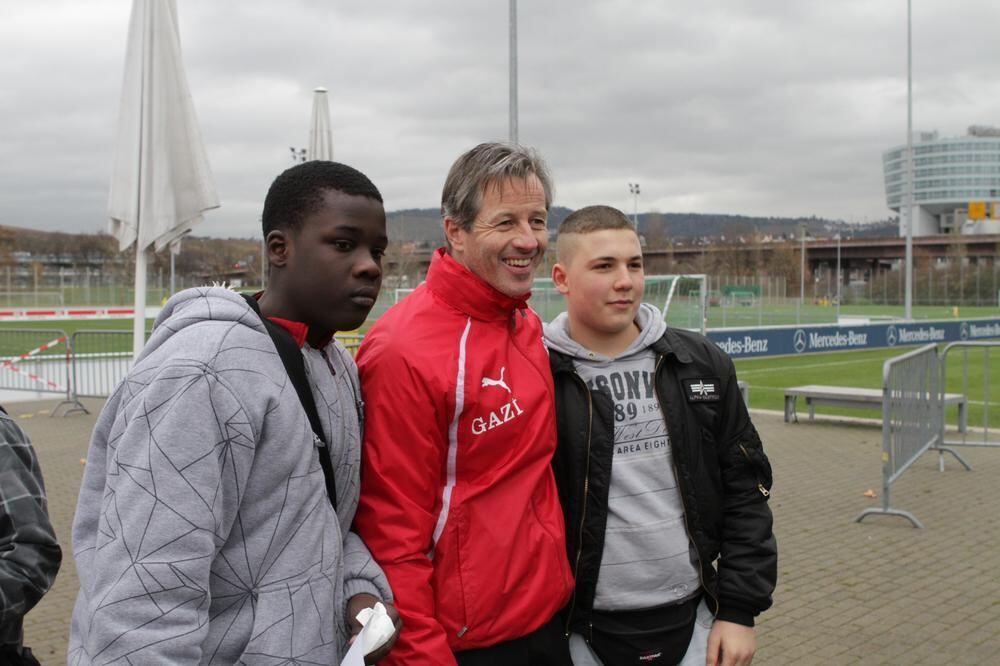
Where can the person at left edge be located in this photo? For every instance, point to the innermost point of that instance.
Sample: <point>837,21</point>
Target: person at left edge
<point>29,553</point>
<point>204,533</point>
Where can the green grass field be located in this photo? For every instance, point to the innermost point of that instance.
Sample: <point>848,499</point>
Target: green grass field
<point>769,377</point>
<point>71,326</point>
<point>103,296</point>
<point>20,337</point>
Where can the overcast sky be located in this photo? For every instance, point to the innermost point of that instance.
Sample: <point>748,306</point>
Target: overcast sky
<point>755,107</point>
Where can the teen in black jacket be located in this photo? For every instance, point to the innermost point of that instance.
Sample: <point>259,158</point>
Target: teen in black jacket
<point>722,472</point>
<point>662,476</point>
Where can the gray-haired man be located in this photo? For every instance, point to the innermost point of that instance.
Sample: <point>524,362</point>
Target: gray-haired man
<point>458,501</point>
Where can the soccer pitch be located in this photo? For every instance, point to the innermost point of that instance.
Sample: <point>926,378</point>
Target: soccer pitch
<point>769,377</point>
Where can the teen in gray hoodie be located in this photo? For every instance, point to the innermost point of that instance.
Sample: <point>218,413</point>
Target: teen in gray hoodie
<point>204,533</point>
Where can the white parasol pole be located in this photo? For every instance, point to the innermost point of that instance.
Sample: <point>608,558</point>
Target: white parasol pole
<point>139,320</point>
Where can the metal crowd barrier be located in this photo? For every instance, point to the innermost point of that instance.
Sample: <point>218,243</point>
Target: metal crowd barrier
<point>101,359</point>
<point>351,342</point>
<point>979,431</point>
<point>35,360</point>
<point>912,419</point>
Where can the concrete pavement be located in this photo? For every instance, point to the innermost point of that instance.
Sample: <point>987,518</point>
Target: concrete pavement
<point>879,592</point>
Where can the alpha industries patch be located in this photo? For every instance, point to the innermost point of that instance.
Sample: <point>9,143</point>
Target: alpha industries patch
<point>705,389</point>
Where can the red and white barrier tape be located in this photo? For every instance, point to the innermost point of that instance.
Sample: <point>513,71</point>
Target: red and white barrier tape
<point>8,364</point>
<point>37,350</point>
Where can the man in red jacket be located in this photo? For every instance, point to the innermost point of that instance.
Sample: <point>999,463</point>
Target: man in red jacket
<point>458,501</point>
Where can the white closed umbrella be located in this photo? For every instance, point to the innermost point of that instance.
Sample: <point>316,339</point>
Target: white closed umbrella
<point>161,183</point>
<point>320,134</point>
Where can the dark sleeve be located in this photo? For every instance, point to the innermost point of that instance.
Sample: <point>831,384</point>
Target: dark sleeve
<point>748,565</point>
<point>29,552</point>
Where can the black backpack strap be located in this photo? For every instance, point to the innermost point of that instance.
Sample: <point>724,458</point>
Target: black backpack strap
<point>291,358</point>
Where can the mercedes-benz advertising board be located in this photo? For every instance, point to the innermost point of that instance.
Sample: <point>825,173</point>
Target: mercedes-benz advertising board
<point>789,340</point>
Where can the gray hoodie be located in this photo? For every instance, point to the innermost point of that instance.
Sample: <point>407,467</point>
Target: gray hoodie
<point>647,559</point>
<point>203,532</point>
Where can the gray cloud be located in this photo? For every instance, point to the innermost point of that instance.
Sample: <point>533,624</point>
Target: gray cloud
<point>764,107</point>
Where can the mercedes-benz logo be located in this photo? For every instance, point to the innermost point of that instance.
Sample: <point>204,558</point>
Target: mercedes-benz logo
<point>964,330</point>
<point>799,341</point>
<point>891,336</point>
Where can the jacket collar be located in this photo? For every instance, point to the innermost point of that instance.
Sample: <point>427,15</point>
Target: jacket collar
<point>560,362</point>
<point>297,329</point>
<point>667,344</point>
<point>462,289</point>
<point>671,343</point>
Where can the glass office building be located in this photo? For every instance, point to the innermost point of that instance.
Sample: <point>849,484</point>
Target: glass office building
<point>951,177</point>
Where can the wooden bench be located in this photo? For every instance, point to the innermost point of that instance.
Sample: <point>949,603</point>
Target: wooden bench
<point>849,396</point>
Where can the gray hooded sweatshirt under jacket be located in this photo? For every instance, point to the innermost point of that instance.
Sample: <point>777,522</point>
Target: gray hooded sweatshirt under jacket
<point>203,533</point>
<point>647,559</point>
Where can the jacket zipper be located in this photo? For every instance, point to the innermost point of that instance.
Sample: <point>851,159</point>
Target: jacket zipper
<point>677,480</point>
<point>760,486</point>
<point>586,491</point>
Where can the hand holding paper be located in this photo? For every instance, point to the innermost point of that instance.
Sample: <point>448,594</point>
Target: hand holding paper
<point>379,628</point>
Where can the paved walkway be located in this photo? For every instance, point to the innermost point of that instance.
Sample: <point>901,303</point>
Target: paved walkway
<point>879,592</point>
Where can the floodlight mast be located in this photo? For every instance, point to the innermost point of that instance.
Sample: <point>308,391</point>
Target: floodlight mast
<point>910,181</point>
<point>513,71</point>
<point>634,189</point>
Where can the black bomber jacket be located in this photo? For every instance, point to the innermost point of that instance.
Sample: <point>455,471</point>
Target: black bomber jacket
<point>723,476</point>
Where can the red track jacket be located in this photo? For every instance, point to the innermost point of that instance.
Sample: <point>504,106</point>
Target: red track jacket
<point>458,501</point>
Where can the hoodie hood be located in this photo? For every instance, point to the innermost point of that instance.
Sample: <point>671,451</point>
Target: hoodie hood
<point>192,306</point>
<point>651,327</point>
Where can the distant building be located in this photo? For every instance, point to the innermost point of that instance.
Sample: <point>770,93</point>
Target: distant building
<point>957,183</point>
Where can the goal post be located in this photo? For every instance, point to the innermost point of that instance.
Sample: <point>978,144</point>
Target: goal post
<point>400,293</point>
<point>681,298</point>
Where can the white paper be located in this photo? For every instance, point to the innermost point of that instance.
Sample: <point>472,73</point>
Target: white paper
<point>377,628</point>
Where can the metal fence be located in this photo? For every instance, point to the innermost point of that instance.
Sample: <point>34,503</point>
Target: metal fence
<point>36,360</point>
<point>974,361</point>
<point>912,419</point>
<point>101,359</point>
<point>87,364</point>
<point>351,342</point>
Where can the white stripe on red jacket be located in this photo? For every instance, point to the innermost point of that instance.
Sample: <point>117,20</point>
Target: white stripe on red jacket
<point>458,502</point>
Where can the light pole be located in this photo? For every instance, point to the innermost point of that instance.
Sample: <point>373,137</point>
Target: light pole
<point>263,262</point>
<point>513,71</point>
<point>910,180</point>
<point>634,189</point>
<point>840,279</point>
<point>802,267</point>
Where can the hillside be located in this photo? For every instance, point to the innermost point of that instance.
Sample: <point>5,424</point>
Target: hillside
<point>423,226</point>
